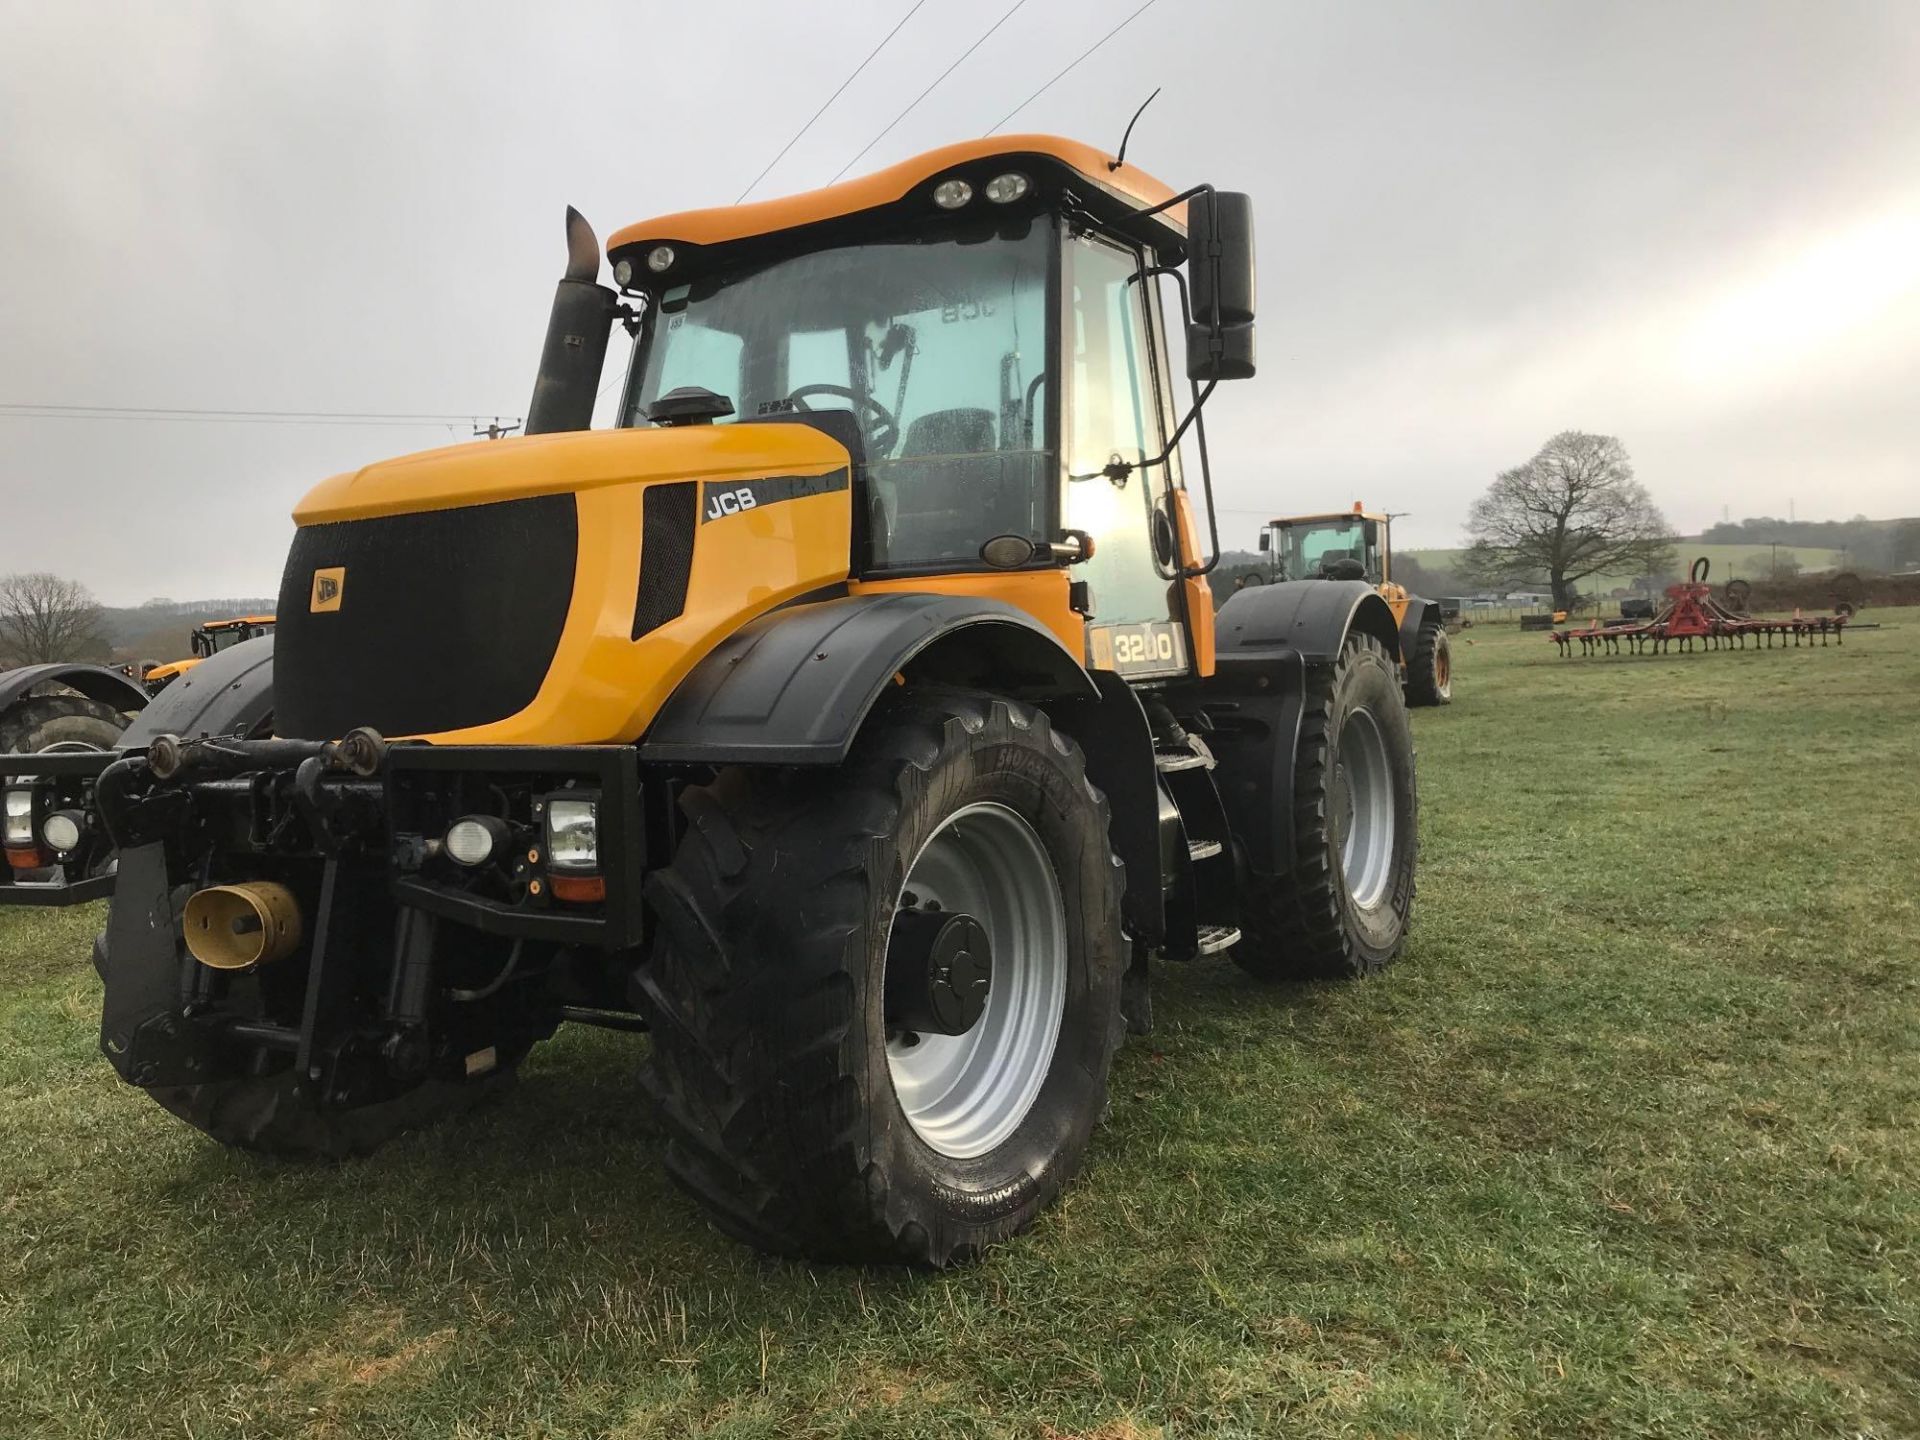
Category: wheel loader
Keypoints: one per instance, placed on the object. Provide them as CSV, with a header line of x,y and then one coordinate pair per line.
x,y
852,716
1357,544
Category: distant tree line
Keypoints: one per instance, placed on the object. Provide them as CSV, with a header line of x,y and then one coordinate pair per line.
x,y
1869,544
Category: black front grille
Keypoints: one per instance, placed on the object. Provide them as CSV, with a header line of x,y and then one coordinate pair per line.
x,y
444,619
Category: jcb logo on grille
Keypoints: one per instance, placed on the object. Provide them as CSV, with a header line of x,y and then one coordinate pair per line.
x,y
730,502
328,586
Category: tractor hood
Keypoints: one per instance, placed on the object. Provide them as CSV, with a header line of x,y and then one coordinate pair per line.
x,y
481,471
552,589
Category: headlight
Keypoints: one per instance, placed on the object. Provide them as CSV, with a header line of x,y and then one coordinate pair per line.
x,y
952,194
473,839
623,273
1007,188
573,833
19,827
660,259
61,831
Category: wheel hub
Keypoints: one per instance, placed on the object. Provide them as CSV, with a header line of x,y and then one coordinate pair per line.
x,y
939,970
980,937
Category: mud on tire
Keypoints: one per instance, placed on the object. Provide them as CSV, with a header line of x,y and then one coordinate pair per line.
x,y
1310,924
766,990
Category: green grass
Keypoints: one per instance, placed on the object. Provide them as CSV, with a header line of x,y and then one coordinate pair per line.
x,y
1628,1144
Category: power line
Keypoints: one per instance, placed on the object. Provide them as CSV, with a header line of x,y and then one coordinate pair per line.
x,y
931,88
830,99
1069,70
22,410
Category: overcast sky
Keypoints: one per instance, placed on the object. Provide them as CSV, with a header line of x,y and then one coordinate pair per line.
x,y
1693,225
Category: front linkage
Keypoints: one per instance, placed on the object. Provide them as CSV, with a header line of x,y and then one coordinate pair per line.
x,y
451,904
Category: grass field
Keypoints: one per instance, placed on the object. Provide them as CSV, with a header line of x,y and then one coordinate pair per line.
x,y
1628,1144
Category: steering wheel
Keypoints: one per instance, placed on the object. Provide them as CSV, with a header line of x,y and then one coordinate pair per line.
x,y
882,429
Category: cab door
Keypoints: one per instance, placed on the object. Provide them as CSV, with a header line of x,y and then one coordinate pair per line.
x,y
1111,412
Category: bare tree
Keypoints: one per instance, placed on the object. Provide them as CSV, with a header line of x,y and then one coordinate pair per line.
x,y
1573,511
44,618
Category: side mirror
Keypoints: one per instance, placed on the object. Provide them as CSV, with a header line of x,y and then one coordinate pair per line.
x,y
1220,277
1266,539
1371,530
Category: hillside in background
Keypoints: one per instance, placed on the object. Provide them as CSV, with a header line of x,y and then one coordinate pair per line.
x,y
158,630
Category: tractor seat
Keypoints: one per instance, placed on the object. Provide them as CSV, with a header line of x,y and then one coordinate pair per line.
x,y
949,489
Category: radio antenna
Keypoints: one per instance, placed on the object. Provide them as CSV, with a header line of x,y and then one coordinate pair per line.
x,y
1121,158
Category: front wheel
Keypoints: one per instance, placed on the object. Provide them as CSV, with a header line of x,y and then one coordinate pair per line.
x,y
1343,907
1430,667
884,999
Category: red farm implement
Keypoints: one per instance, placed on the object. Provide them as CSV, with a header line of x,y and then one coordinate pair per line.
x,y
1691,615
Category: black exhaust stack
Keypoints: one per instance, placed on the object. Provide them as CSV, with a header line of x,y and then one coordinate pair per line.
x,y
576,348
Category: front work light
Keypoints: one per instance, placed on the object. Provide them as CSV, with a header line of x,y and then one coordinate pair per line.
x,y
61,831
573,832
623,273
660,259
952,194
474,839
1007,188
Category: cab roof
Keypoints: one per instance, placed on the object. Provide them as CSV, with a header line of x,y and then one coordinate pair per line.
x,y
1124,188
1356,513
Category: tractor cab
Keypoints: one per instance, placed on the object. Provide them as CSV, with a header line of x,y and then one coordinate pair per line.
x,y
217,635
992,347
1348,545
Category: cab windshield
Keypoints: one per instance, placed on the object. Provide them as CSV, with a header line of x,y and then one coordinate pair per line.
x,y
937,347
1314,550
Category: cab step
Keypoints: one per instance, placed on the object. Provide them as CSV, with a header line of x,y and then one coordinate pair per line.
x,y
1203,849
1215,938
1172,761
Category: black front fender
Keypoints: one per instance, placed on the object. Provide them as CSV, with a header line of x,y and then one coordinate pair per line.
x,y
1310,617
792,687
226,694
1420,614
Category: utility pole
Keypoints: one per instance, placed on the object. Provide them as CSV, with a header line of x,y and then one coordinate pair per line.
x,y
496,430
1774,572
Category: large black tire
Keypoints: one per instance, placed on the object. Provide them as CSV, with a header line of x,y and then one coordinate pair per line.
x,y
40,722
766,989
1309,924
1430,667
262,1113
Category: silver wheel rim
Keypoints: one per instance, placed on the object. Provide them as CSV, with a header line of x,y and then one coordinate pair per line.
x,y
1363,808
965,1094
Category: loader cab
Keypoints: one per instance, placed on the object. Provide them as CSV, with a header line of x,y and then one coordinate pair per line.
x,y
993,349
1351,545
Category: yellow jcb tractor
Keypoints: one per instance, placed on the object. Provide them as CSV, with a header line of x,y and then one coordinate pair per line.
x,y
208,640
1357,544
852,716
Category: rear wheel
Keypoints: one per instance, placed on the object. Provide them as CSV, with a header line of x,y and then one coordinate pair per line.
x,y
1344,906
884,998
1430,667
